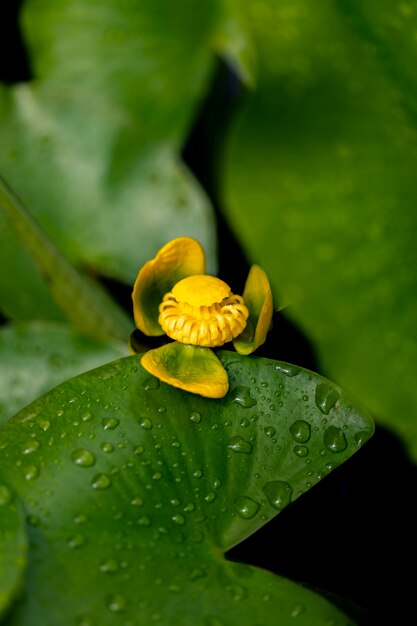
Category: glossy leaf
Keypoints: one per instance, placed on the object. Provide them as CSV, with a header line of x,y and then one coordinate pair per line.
x,y
134,489
34,357
325,149
13,547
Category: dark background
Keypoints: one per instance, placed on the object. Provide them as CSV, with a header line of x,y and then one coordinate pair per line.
x,y
353,536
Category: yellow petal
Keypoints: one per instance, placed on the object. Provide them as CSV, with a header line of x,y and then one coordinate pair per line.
x,y
194,369
258,299
178,259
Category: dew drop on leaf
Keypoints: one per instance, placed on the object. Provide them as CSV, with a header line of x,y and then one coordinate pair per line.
x,y
288,369
237,592
300,431
101,481
107,447
301,451
150,384
326,397
110,423
246,507
238,444
110,566
83,457
44,424
195,417
362,437
31,472
210,497
146,423
31,446
178,519
241,395
335,439
278,493
5,495
117,603
77,541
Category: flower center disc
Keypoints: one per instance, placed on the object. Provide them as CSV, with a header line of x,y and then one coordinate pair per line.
x,y
201,290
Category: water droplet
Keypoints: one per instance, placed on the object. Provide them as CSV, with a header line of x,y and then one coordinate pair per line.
x,y
278,493
5,495
217,483
117,603
137,501
362,437
77,541
107,447
139,450
110,423
210,497
195,417
44,424
197,574
241,395
296,610
31,446
238,592
334,439
101,481
246,507
144,521
86,417
300,451
288,369
31,472
80,519
269,431
244,422
83,457
178,519
33,520
300,430
197,537
157,476
110,566
150,384
145,422
326,397
198,473
238,444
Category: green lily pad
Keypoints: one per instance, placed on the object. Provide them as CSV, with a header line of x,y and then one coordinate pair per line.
x,y
134,490
326,152
92,144
36,356
13,547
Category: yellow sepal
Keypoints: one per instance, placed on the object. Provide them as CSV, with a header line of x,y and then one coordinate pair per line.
x,y
176,260
194,369
258,299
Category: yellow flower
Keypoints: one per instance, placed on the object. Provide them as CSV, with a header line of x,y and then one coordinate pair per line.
x,y
173,295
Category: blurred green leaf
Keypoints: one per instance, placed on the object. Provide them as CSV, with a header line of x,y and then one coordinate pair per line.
x,y
85,303
321,188
92,144
13,547
133,490
36,356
